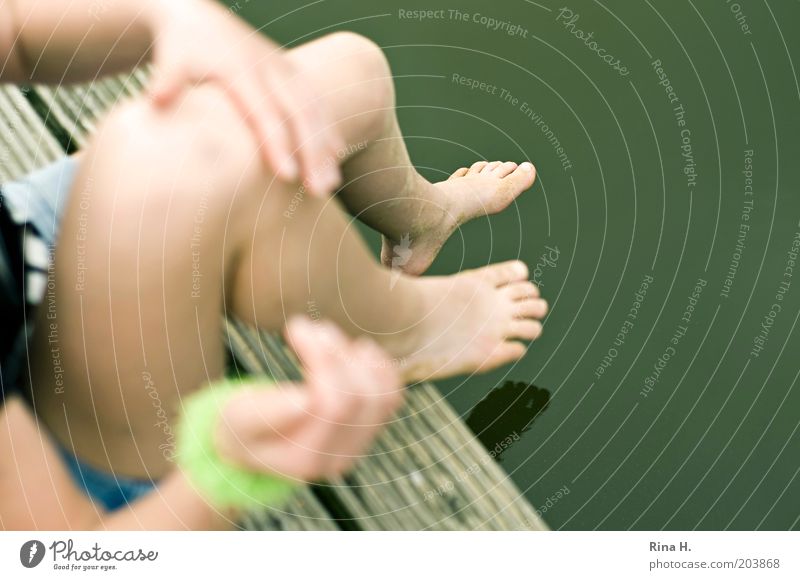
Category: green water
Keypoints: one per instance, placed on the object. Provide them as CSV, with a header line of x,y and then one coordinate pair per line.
x,y
675,408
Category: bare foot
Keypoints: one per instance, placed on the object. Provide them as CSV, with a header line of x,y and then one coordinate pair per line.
x,y
483,189
474,322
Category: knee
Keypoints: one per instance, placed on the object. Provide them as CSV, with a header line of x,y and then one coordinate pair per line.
x,y
368,60
364,51
197,142
195,160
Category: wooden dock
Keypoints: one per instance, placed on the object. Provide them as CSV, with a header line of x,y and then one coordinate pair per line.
x,y
426,472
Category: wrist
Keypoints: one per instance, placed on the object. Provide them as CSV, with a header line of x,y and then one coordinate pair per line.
x,y
221,482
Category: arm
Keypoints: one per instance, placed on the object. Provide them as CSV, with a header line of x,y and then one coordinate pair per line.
x,y
191,41
51,41
304,431
36,492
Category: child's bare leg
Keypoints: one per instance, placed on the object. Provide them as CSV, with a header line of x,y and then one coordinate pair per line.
x,y
381,186
172,219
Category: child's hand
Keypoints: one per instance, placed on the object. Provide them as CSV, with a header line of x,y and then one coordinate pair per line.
x,y
318,429
199,41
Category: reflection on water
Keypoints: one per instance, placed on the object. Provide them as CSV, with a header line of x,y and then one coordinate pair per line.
x,y
500,418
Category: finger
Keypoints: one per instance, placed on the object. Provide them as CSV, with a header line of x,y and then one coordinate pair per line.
x,y
320,445
319,164
351,399
270,130
166,85
375,381
255,413
334,140
326,350
377,360
307,446
351,414
332,146
313,343
256,420
327,433
298,456
349,410
381,392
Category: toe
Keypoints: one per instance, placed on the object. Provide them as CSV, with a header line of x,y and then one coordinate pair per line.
x,y
490,167
459,173
507,352
522,177
525,329
505,272
512,185
477,167
504,169
522,290
534,308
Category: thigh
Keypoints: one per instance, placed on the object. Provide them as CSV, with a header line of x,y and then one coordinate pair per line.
x,y
131,320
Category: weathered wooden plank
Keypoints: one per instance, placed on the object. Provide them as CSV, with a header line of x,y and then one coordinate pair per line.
x,y
25,143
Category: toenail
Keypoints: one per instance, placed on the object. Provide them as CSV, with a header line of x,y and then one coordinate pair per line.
x,y
527,166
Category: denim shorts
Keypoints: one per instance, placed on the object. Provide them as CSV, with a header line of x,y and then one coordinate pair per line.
x,y
106,489
35,204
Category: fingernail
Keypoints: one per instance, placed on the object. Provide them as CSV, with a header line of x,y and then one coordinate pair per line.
x,y
527,166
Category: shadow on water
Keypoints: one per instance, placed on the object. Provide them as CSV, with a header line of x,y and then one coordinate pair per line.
x,y
501,418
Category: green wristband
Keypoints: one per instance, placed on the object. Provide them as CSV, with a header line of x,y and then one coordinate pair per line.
x,y
222,484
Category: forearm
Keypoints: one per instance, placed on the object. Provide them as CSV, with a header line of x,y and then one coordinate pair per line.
x,y
174,505
55,41
37,492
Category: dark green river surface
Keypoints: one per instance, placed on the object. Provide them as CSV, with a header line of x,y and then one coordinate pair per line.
x,y
663,229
